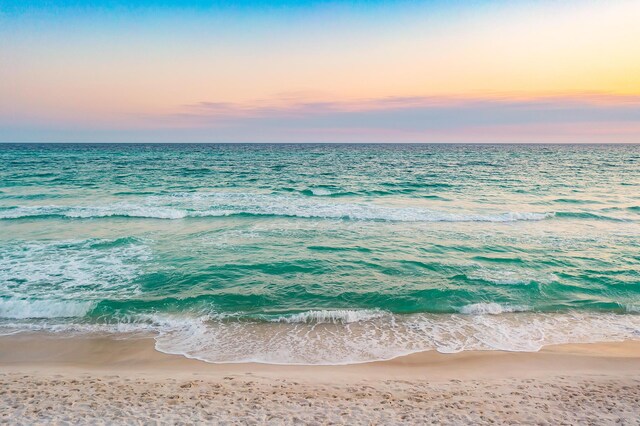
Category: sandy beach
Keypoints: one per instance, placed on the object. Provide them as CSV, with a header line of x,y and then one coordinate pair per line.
x,y
105,381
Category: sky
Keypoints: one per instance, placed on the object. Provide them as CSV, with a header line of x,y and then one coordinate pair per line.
x,y
518,71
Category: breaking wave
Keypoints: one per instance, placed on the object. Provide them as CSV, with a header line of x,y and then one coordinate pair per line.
x,y
342,316
335,337
179,206
38,309
490,308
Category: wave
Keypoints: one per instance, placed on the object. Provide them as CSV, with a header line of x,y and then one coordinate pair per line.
x,y
490,308
575,201
511,277
179,206
30,196
91,269
635,309
320,192
591,216
351,336
385,336
343,316
29,309
84,212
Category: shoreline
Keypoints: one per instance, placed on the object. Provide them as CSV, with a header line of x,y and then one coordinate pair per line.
x,y
27,350
102,379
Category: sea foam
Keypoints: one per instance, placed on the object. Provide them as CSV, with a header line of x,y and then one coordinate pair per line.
x,y
92,269
181,205
490,308
386,336
346,337
24,309
344,316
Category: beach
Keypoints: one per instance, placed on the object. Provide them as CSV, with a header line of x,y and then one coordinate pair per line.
x,y
337,212
319,284
102,380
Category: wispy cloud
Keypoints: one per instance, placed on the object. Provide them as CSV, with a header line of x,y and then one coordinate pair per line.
x,y
299,117
562,118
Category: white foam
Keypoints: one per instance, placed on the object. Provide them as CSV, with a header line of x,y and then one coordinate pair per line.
x,y
23,309
388,336
490,308
83,212
225,339
344,316
320,191
183,205
91,269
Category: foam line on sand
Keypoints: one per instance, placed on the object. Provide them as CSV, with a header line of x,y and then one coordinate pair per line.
x,y
102,380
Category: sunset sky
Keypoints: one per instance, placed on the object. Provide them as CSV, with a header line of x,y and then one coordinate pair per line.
x,y
320,71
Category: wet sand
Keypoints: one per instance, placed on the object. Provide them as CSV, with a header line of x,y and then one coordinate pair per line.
x,y
97,380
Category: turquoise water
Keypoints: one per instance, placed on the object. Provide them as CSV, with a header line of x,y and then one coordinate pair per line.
x,y
322,253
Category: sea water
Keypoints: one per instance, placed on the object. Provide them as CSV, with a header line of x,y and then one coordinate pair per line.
x,y
321,254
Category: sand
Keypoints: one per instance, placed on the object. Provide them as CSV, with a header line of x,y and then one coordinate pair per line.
x,y
99,380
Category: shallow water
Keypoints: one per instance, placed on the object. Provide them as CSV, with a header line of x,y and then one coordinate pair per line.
x,y
322,253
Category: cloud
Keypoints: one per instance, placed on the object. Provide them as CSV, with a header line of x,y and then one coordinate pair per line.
x,y
297,117
575,118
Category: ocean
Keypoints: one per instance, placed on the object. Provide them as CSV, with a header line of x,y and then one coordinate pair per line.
x,y
321,254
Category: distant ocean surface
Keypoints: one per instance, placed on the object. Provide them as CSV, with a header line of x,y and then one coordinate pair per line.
x,y
322,254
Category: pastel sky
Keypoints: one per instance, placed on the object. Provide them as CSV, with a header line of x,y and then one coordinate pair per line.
x,y
320,71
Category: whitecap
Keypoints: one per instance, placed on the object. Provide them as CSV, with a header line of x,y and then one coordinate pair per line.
x,y
320,191
181,205
490,308
331,316
25,308
91,269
